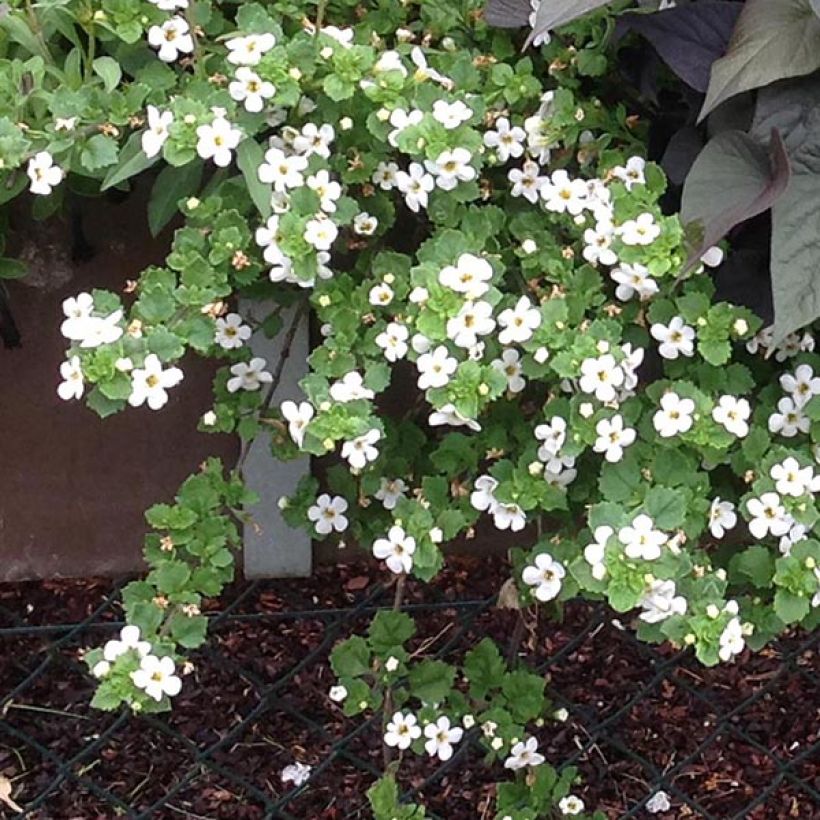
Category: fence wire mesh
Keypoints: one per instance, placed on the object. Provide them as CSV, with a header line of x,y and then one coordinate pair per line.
x,y
737,743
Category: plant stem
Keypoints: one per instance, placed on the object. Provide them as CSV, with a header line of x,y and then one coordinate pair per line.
x,y
398,597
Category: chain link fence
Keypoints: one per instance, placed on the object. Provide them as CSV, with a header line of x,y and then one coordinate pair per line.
x,y
740,742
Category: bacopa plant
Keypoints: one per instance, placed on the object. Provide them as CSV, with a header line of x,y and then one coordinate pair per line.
x,y
478,229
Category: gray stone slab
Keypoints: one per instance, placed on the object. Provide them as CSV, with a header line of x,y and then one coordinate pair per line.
x,y
273,549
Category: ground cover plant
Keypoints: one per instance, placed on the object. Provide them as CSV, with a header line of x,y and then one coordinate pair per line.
x,y
486,226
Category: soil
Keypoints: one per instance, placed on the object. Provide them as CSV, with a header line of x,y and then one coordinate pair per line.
x,y
257,701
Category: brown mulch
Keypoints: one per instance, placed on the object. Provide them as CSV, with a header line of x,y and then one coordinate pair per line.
x,y
722,733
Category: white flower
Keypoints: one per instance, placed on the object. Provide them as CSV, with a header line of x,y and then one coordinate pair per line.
x,y
595,552
674,416
326,189
571,805
171,39
473,320
564,195
217,140
731,640
298,417
641,539
281,171
77,310
523,754
435,368
65,123
613,437
360,450
170,5
441,737
448,415
451,167
640,231
415,184
402,730
364,224
545,574
789,420
632,174
380,295
633,280
792,479
598,247
722,517
156,676
337,693
94,331
801,385
795,535
328,514
154,137
658,802
393,341
451,115
600,377
482,498
507,141
231,333
768,515
249,88
250,49
390,492
660,602
150,382
553,434
508,517
389,61
296,773
129,639
471,275
518,323
350,388
385,175
249,376
72,375
314,139
396,550
526,181
675,339
733,414
509,365
43,173
401,120
321,233
426,72
391,664
101,669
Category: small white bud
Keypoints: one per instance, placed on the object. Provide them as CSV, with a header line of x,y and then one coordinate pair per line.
x,y
529,246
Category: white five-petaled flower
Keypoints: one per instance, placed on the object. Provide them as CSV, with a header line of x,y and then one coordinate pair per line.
x,y
641,539
326,189
731,641
642,230
436,368
633,280
328,514
337,693
250,49
415,183
396,550
571,805
390,492
524,753
792,479
518,323
393,341
613,437
402,730
72,375
320,232
217,141
129,640
449,415
282,171
545,574
364,224
380,295
674,416
149,383
250,89
474,319
594,553
298,416
564,195
231,332
722,517
451,167
733,414
598,244
401,120
526,181
632,174
350,388
426,72
482,497
248,375
385,175
768,516
509,365
156,676
601,377
508,517
440,738
507,141
76,310
660,602
676,338
362,450
789,420
156,133
471,276
171,39
801,385
43,173
451,115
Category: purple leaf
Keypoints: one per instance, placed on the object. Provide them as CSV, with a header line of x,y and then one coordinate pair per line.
x,y
508,13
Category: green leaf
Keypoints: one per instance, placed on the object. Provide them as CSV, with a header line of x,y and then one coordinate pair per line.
x,y
619,480
790,608
484,668
771,41
132,161
431,681
170,576
12,268
99,152
102,405
755,564
107,697
108,69
389,630
351,658
189,631
249,156
666,507
172,185
524,692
